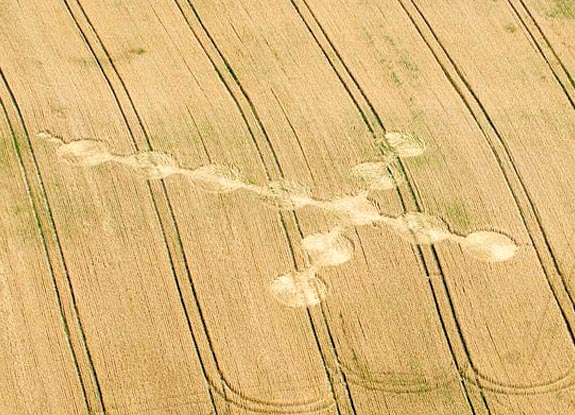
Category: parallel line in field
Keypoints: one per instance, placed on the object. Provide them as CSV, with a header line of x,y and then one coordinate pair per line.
x,y
239,399
330,338
258,125
262,160
244,117
317,338
367,110
179,251
155,194
504,158
172,216
222,67
295,134
365,106
544,47
53,252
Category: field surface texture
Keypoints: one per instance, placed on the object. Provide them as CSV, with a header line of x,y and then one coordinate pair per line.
x,y
287,207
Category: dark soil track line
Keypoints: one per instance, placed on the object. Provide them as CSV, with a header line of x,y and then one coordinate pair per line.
x,y
418,251
318,341
155,196
54,254
163,189
165,227
227,68
251,129
502,154
295,134
544,48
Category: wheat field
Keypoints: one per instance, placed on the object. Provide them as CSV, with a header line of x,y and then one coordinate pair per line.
x,y
331,207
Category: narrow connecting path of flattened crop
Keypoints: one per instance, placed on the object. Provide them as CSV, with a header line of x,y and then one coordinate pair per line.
x,y
325,249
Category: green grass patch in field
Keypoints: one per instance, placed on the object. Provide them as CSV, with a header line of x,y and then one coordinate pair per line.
x,y
56,183
430,157
249,179
408,64
16,142
457,216
3,154
510,28
19,209
137,51
389,40
563,8
395,79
